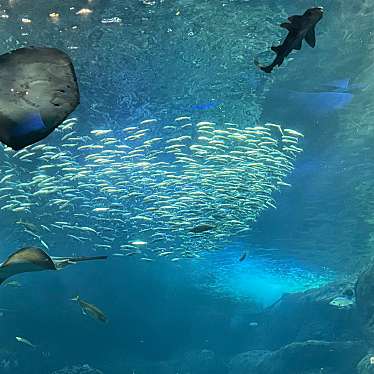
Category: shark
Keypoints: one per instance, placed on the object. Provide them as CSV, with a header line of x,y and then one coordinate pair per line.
x,y
299,27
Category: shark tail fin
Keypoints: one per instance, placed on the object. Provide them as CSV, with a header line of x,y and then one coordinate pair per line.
x,y
267,69
76,298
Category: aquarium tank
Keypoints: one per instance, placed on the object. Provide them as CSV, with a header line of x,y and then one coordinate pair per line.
x,y
186,187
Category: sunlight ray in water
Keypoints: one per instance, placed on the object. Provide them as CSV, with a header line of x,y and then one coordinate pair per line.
x,y
262,276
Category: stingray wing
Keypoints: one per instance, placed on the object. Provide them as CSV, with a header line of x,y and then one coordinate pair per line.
x,y
38,91
25,260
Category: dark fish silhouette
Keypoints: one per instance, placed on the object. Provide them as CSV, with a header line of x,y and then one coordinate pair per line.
x,y
201,228
299,28
90,309
31,259
243,256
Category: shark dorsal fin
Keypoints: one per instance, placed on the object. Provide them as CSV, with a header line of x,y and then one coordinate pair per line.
x,y
310,37
295,20
288,26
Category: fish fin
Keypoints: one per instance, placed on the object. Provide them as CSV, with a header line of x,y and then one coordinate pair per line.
x,y
343,84
276,49
84,312
310,37
298,46
295,20
288,26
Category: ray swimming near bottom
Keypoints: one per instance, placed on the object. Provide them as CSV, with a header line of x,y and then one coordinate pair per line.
x,y
328,98
31,259
321,100
321,103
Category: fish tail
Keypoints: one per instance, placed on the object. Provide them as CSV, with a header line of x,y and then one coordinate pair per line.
x,y
267,69
76,298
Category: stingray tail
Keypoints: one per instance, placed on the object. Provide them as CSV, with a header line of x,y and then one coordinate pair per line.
x,y
86,258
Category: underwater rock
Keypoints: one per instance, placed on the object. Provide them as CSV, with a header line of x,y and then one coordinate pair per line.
x,y
144,367
201,362
365,302
78,369
191,362
312,355
247,362
309,316
365,366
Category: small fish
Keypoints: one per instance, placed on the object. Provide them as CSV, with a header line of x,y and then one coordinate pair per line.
x,y
45,245
45,228
28,225
201,228
299,28
90,309
166,253
138,242
84,12
14,284
342,302
206,106
243,256
32,233
100,209
25,341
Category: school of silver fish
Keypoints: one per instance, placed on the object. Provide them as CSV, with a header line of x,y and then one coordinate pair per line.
x,y
134,192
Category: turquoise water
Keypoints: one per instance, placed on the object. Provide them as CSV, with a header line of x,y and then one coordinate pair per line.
x,y
178,128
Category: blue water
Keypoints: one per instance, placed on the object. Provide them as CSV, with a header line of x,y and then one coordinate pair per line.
x,y
162,60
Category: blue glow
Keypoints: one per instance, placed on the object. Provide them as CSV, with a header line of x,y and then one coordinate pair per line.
x,y
261,276
32,123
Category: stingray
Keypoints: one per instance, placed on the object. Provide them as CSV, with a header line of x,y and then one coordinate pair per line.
x,y
38,91
320,100
30,259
